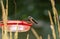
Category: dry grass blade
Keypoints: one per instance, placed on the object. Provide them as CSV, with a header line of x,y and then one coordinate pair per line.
x,y
16,33
56,19
4,17
40,37
6,8
54,10
52,26
48,36
55,14
27,36
10,35
35,33
2,33
50,18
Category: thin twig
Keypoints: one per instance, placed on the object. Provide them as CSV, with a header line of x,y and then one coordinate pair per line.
x,y
15,8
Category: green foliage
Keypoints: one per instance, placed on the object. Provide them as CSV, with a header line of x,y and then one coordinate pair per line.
x,y
35,8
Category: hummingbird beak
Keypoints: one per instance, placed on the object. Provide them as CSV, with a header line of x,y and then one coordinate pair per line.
x,y
31,19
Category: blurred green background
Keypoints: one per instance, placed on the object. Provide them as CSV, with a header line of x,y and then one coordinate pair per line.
x,y
38,9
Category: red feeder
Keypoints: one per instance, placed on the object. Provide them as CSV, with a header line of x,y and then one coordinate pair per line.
x,y
22,26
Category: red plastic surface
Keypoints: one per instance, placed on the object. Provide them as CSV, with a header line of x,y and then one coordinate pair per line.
x,y
23,26
14,22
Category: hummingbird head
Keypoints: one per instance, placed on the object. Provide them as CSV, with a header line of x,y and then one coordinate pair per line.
x,y
32,20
